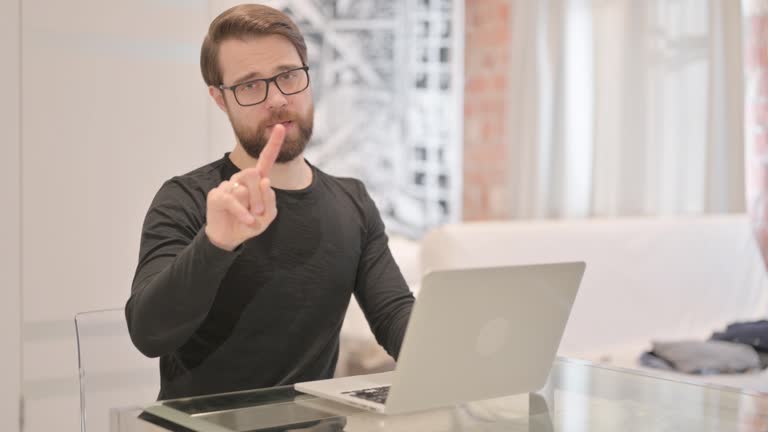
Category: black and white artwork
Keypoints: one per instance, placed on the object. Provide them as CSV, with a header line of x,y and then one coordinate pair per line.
x,y
387,82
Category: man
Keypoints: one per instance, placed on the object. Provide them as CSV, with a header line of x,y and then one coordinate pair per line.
x,y
247,264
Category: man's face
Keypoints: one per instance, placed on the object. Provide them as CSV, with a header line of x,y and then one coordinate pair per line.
x,y
264,57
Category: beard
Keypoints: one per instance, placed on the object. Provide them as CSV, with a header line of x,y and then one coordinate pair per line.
x,y
254,141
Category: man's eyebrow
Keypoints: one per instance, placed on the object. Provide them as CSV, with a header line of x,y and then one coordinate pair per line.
x,y
247,77
257,75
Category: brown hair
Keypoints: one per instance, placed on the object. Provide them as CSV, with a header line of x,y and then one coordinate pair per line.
x,y
243,21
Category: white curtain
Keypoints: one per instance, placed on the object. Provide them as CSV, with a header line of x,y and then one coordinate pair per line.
x,y
626,107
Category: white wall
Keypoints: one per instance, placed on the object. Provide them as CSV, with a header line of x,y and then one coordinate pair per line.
x,y
113,105
10,270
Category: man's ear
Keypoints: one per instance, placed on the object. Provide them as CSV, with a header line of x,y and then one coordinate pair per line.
x,y
218,97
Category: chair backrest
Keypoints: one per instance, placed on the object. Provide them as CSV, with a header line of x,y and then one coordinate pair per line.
x,y
113,373
646,278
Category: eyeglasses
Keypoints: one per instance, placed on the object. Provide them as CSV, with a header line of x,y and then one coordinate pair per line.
x,y
256,91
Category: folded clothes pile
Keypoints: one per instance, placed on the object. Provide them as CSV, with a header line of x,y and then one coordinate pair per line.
x,y
741,348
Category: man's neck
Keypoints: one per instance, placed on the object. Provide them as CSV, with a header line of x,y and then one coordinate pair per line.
x,y
292,175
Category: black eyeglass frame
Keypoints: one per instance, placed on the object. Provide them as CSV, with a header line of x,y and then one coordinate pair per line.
x,y
269,80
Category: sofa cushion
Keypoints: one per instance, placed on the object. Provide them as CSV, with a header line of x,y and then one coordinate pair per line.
x,y
646,278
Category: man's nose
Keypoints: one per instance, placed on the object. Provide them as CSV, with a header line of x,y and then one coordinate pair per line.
x,y
275,98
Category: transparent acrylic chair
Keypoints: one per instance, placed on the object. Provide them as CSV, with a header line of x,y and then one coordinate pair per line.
x,y
113,373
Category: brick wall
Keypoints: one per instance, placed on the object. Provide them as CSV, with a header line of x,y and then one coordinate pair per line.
x,y
487,62
756,114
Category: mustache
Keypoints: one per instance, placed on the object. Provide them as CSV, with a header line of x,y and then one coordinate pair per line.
x,y
279,118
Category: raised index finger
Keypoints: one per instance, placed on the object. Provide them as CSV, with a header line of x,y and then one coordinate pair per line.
x,y
270,152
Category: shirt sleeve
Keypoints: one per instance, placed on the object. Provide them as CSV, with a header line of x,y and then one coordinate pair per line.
x,y
178,274
380,288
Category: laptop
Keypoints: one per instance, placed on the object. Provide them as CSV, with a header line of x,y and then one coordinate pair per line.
x,y
474,334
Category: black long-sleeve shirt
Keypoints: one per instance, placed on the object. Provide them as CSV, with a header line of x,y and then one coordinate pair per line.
x,y
270,312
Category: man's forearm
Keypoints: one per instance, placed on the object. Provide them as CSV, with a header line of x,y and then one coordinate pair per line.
x,y
393,332
171,296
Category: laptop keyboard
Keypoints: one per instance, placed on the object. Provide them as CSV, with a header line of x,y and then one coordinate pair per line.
x,y
374,394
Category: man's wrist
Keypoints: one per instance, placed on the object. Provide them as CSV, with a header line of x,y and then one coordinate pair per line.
x,y
218,244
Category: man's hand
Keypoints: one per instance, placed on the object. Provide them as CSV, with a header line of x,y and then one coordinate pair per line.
x,y
244,206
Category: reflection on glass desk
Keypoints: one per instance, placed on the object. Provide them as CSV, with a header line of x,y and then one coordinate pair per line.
x,y
578,396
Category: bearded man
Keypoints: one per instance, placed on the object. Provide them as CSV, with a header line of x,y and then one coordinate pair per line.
x,y
247,264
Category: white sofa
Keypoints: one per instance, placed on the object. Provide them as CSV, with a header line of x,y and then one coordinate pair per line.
x,y
646,279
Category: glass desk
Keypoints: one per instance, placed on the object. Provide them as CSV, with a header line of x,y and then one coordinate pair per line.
x,y
578,396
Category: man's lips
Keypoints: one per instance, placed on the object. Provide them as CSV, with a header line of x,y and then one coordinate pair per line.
x,y
284,123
